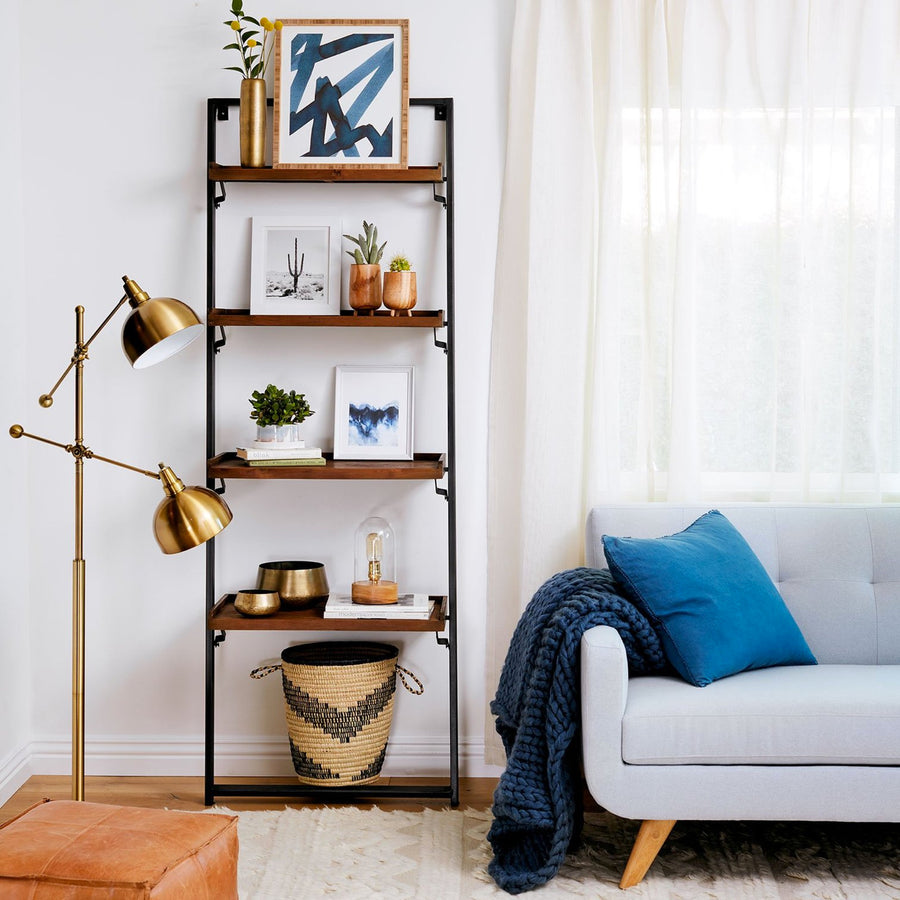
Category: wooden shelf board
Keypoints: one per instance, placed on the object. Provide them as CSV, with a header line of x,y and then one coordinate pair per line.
x,y
425,467
224,617
349,175
420,318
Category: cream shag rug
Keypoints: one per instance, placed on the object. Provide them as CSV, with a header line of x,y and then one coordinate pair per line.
x,y
349,853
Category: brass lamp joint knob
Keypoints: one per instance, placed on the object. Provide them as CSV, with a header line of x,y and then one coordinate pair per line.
x,y
133,291
171,483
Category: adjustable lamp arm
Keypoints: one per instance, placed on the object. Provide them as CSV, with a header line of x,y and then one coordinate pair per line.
x,y
81,348
186,517
156,328
17,431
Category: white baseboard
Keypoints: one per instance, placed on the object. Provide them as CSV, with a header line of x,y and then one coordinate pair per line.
x,y
241,756
15,770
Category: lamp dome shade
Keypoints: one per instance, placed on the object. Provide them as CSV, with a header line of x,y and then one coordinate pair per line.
x,y
157,327
187,517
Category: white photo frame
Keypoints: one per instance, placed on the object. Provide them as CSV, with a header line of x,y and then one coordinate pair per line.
x,y
295,266
373,412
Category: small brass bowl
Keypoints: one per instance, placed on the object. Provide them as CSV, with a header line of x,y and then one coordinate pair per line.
x,y
254,602
299,583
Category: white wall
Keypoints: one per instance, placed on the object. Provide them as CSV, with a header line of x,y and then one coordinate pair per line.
x,y
15,695
113,150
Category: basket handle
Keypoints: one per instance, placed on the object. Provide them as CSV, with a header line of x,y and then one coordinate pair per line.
x,y
262,671
403,673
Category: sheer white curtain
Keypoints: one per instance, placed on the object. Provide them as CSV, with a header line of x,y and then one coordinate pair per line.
x,y
697,280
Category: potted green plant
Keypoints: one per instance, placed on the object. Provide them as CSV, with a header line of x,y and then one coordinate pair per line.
x,y
365,273
399,294
278,413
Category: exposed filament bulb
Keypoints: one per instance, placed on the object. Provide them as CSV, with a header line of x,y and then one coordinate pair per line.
x,y
373,555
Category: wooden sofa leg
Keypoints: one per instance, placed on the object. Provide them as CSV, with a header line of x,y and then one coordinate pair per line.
x,y
650,837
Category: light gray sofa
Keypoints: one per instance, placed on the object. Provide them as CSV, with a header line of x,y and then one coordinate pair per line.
x,y
810,743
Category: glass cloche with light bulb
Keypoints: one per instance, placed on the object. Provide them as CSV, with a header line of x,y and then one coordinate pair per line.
x,y
374,563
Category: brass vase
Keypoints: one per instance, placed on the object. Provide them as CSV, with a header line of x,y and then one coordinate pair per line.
x,y
365,288
253,122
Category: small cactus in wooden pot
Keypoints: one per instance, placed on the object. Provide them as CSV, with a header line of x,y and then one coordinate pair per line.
x,y
399,293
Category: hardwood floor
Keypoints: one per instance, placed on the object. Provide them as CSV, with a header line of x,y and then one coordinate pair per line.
x,y
160,792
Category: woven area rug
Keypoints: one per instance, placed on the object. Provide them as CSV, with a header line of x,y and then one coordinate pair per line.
x,y
351,853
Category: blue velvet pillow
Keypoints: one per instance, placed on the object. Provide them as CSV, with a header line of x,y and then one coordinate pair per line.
x,y
710,598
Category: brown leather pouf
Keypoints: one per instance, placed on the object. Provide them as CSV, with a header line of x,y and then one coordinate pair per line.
x,y
63,850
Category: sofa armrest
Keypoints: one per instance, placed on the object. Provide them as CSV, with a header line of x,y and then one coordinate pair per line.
x,y
604,672
604,691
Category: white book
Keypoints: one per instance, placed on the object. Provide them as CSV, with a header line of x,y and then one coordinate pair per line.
x,y
285,445
279,453
408,606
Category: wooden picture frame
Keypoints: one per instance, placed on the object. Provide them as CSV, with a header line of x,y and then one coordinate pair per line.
x,y
341,93
373,412
295,266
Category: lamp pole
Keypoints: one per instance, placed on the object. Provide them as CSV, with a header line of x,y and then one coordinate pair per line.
x,y
78,571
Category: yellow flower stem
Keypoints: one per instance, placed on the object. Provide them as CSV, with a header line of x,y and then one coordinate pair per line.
x,y
265,54
243,49
270,37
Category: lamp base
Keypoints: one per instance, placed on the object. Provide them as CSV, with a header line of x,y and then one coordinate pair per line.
x,y
370,593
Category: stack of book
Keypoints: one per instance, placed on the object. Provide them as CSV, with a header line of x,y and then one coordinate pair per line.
x,y
281,453
408,606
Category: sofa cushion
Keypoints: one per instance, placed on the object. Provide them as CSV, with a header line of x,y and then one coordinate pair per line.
x,y
793,715
716,609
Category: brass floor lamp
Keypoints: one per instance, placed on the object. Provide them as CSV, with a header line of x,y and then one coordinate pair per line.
x,y
155,329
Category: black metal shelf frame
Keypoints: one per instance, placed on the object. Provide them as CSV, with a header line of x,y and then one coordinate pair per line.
x,y
217,111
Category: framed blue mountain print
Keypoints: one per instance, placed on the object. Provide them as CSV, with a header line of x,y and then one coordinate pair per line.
x,y
373,412
341,93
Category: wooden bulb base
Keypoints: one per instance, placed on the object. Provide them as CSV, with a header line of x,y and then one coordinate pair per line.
x,y
370,593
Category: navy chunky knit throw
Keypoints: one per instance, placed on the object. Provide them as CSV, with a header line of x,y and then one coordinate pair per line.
x,y
536,805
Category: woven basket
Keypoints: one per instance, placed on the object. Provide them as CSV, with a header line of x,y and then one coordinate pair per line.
x,y
338,702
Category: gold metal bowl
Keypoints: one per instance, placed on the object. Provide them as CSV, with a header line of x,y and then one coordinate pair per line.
x,y
300,583
255,602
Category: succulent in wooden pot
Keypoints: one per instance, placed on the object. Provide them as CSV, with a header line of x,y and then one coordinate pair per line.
x,y
399,294
365,273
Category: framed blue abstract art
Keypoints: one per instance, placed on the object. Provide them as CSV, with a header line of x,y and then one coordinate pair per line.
x,y
341,93
373,412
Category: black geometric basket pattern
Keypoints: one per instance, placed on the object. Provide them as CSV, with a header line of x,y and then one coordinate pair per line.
x,y
339,703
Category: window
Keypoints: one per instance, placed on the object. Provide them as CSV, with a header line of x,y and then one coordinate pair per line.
x,y
758,304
